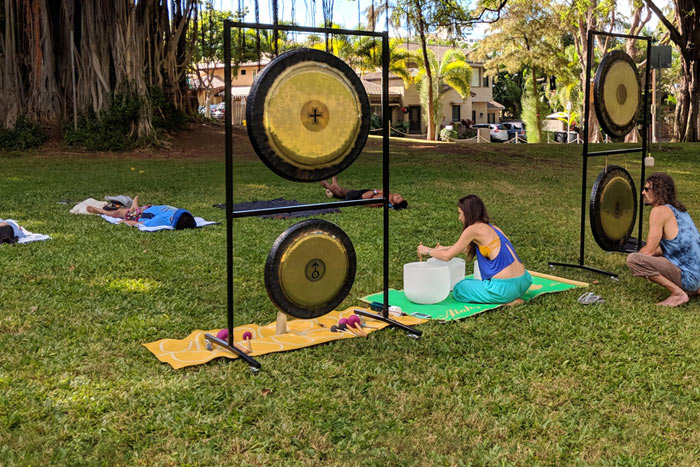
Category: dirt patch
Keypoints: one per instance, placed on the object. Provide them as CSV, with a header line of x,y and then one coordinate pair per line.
x,y
206,141
198,141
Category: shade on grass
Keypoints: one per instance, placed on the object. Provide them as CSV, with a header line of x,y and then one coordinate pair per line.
x,y
554,382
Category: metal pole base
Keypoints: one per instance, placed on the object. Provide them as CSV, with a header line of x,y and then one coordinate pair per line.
x,y
368,314
587,268
254,364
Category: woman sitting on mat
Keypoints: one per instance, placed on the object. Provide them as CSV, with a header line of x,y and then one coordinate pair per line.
x,y
149,215
503,276
396,201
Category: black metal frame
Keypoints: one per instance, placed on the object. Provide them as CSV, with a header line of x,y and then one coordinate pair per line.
x,y
586,154
231,214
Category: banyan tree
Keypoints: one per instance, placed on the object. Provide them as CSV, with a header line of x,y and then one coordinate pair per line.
x,y
57,56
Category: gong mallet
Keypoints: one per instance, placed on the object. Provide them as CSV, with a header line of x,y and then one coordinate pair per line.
x,y
354,323
343,325
363,323
335,328
247,336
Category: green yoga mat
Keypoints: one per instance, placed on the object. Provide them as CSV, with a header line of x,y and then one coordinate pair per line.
x,y
450,309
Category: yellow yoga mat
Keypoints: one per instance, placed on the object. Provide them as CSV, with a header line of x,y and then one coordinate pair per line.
x,y
192,350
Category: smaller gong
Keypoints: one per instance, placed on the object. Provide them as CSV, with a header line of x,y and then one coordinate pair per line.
x,y
616,93
310,269
613,208
307,115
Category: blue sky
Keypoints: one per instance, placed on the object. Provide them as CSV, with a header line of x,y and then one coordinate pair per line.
x,y
344,11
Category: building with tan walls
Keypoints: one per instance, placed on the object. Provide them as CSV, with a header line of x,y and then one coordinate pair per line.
x,y
404,103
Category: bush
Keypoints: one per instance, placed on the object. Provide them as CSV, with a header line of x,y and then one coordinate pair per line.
x,y
375,121
446,134
113,130
23,136
165,115
399,129
466,133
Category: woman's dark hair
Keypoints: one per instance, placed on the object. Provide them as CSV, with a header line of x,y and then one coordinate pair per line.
x,y
474,211
664,190
399,206
186,221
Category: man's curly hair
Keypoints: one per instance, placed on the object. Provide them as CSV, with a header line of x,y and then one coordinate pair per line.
x,y
664,190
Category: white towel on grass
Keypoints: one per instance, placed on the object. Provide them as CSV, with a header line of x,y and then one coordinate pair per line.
x,y
24,235
115,220
81,208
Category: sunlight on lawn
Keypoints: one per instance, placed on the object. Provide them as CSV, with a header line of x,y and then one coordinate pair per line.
x,y
134,285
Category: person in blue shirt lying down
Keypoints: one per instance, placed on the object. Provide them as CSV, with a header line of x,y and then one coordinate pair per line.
x,y
150,215
504,279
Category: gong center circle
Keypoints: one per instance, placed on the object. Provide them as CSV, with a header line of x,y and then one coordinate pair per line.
x,y
314,115
315,270
621,94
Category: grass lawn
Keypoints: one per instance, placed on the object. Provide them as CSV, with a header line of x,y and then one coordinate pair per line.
x,y
550,382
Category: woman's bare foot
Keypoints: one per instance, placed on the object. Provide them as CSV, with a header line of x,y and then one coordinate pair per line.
x,y
92,210
675,299
516,302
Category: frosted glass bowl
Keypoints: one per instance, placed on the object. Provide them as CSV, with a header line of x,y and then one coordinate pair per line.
x,y
426,282
457,266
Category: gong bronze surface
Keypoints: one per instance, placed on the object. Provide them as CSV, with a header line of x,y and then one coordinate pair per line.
x,y
616,93
310,269
307,115
613,208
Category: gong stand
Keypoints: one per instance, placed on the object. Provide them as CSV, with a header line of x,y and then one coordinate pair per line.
x,y
586,154
231,214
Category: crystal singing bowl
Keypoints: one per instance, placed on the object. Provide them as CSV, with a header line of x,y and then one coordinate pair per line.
x,y
426,283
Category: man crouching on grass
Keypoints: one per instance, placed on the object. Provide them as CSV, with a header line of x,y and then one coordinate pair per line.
x,y
671,257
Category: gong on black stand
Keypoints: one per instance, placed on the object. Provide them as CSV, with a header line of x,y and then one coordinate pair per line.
x,y
613,200
308,119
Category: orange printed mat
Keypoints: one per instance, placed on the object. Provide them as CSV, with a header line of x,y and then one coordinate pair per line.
x,y
192,350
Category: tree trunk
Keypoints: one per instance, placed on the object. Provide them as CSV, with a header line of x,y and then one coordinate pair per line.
x,y
687,126
420,26
136,44
637,24
685,33
538,109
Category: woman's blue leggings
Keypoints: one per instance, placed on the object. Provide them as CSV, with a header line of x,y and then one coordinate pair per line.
x,y
492,290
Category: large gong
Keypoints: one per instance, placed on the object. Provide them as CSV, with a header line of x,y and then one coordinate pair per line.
x,y
616,93
310,269
613,208
307,115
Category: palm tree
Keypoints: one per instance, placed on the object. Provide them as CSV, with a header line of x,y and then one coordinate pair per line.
x,y
453,71
369,58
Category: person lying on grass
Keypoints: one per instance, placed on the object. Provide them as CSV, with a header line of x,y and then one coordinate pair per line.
x,y
396,201
503,276
149,215
671,257
9,232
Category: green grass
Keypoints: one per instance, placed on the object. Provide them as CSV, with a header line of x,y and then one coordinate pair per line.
x,y
552,382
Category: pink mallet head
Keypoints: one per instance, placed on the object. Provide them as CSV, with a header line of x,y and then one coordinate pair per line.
x,y
342,321
354,321
222,334
247,335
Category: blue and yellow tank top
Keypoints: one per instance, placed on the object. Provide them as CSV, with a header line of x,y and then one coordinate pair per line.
x,y
684,250
491,267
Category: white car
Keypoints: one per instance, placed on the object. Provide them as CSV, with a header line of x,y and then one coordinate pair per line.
x,y
219,111
498,132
